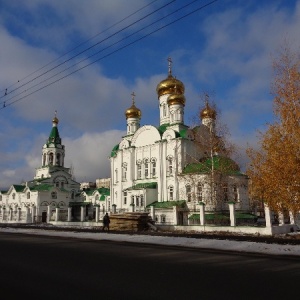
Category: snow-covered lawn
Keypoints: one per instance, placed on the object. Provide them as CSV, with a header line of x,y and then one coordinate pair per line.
x,y
253,247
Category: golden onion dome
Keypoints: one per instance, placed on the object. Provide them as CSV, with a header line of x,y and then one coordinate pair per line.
x,y
168,85
133,111
176,99
208,112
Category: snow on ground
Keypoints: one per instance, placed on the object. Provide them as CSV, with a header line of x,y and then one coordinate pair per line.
x,y
238,246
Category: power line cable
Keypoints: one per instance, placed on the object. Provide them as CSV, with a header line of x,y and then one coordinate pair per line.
x,y
79,45
111,53
113,44
87,49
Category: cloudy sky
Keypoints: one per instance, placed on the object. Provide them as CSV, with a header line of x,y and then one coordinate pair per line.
x,y
85,58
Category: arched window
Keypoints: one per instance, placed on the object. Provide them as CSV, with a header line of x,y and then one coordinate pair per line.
x,y
137,201
142,200
163,218
171,193
164,110
125,197
44,159
116,175
54,195
235,193
97,197
188,193
51,159
58,159
153,166
225,192
28,195
72,194
14,196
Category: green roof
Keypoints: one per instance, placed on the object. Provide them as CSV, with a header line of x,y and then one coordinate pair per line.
x,y
162,128
54,136
41,187
19,188
114,151
215,216
104,191
220,216
168,204
183,133
146,185
220,163
102,198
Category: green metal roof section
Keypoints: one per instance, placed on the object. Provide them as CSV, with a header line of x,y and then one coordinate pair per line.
x,y
168,204
162,128
104,191
102,198
219,216
183,133
146,185
41,187
220,163
89,192
114,151
54,137
19,188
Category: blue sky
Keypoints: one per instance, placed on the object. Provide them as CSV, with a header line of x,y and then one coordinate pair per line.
x,y
224,49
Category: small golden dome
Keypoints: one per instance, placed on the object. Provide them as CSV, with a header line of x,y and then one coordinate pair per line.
x,y
208,112
167,86
55,120
176,99
133,111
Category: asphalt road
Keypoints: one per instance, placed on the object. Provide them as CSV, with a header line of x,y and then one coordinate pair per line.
x,y
41,267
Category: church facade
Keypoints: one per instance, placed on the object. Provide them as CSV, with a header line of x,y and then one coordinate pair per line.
x,y
53,194
172,170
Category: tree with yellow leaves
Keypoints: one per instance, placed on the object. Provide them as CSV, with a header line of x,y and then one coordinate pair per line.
x,y
275,168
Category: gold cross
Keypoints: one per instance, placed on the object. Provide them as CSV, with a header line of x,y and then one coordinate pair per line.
x,y
133,95
170,65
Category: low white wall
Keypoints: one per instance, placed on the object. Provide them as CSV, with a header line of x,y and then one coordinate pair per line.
x,y
233,229
82,224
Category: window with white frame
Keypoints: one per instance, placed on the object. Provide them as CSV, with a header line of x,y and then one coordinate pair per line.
x,y
124,172
153,166
97,197
139,170
146,168
169,165
142,200
164,110
171,193
137,201
163,218
54,195
116,175
225,192
199,192
14,196
28,195
235,193
188,193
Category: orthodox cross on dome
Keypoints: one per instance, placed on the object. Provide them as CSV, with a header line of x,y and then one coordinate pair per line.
x,y
206,99
170,65
55,113
133,95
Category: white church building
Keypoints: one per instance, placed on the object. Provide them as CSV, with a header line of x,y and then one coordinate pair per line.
x,y
172,170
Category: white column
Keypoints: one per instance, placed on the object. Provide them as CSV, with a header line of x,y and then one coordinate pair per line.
x,y
32,213
232,214
292,218
97,214
27,215
19,214
56,214
268,216
202,213
132,207
10,214
281,218
152,212
48,213
175,215
82,214
69,214
3,211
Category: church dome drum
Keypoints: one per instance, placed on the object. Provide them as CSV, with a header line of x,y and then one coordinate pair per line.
x,y
176,99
